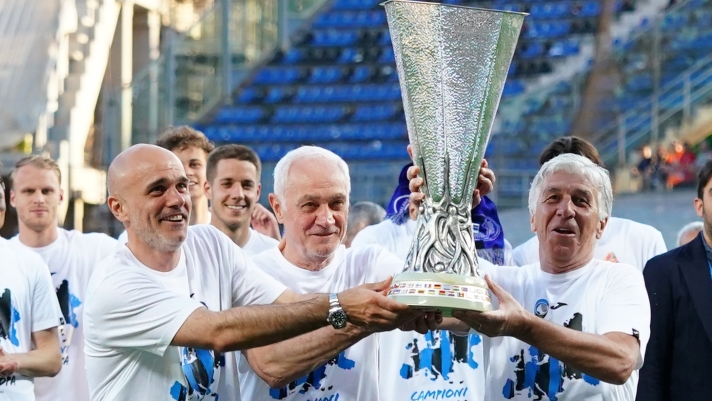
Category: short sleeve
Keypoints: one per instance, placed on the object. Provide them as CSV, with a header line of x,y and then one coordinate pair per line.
x,y
131,310
250,285
45,307
625,306
386,264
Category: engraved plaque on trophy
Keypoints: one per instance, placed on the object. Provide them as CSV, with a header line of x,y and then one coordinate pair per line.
x,y
452,63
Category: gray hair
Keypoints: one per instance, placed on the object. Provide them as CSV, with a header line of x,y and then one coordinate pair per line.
x,y
688,228
368,212
281,170
575,164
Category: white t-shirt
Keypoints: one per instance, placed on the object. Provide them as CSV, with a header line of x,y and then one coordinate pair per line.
x,y
28,304
71,259
352,375
623,241
131,319
599,298
258,243
435,366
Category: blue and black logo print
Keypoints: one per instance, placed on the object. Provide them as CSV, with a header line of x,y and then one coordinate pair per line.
x,y
9,316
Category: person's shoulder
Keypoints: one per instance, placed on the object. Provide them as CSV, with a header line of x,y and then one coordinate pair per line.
x,y
266,258
21,256
632,227
668,260
91,239
265,239
207,236
371,234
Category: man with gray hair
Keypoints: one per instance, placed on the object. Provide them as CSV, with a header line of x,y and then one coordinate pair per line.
x,y
362,215
569,327
311,200
689,232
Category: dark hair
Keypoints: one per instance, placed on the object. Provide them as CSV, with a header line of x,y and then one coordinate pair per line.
x,y
570,144
703,178
232,151
182,137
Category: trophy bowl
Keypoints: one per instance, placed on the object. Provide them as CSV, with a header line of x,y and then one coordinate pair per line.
x,y
452,62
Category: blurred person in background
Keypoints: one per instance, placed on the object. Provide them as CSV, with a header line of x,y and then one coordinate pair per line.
x,y
689,232
71,257
645,169
3,204
704,154
362,215
679,285
623,240
682,166
233,187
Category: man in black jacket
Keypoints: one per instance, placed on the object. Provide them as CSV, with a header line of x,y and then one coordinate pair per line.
x,y
679,284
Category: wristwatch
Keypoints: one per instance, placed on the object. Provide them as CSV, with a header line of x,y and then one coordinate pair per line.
x,y
337,316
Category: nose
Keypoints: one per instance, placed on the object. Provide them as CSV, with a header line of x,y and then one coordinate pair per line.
x,y
565,208
325,216
237,192
174,198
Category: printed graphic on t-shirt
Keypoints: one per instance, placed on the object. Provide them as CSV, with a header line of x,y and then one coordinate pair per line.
x,y
442,356
200,368
68,303
314,380
611,257
539,375
9,316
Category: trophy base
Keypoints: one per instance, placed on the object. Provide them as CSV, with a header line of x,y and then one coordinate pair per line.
x,y
441,291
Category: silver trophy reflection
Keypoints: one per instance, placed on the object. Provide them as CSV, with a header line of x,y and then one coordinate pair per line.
x,y
452,63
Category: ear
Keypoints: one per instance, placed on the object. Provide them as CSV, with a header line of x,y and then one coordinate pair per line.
x,y
699,206
117,209
12,198
61,195
206,189
276,207
259,191
532,226
601,226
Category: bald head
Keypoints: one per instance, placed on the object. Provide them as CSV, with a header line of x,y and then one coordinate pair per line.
x,y
137,160
148,192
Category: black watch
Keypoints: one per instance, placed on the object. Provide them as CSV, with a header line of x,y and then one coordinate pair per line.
x,y
337,316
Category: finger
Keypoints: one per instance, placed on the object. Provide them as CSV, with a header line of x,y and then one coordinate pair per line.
x,y
497,291
415,184
484,163
413,172
409,148
421,326
392,305
430,321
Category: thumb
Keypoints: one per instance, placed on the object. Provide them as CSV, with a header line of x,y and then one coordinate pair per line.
x,y
381,286
498,291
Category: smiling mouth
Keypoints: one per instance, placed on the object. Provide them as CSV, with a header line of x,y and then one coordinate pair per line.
x,y
236,207
175,219
564,231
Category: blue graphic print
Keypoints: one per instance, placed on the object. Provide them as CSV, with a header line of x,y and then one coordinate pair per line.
x,y
314,379
9,316
199,367
68,303
179,392
441,354
542,375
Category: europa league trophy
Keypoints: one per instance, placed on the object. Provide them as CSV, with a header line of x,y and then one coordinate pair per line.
x,y
452,63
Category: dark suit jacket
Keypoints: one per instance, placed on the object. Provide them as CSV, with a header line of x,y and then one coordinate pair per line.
x,y
678,360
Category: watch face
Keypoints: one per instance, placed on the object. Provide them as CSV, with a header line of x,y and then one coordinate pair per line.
x,y
338,319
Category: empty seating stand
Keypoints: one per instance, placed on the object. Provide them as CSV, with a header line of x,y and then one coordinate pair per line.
x,y
338,86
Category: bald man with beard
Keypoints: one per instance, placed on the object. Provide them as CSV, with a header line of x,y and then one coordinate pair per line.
x,y
162,312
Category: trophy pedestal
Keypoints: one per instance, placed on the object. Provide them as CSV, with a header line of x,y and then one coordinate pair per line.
x,y
441,291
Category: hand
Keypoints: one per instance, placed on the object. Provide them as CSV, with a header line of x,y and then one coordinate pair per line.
x,y
7,365
428,321
485,185
508,320
368,307
264,222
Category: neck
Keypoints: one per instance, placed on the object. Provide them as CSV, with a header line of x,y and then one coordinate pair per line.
x,y
37,239
707,235
302,261
551,266
162,261
240,236
199,214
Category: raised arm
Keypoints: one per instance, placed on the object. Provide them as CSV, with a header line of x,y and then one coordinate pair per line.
x,y
610,357
44,360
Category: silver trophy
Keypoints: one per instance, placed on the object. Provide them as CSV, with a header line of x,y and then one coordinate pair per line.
x,y
452,63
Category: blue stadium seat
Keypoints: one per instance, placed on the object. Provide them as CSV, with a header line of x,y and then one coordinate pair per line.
x,y
532,50
240,115
325,75
377,112
350,55
294,56
361,73
387,56
334,38
277,75
564,48
276,94
247,95
590,9
512,87
307,114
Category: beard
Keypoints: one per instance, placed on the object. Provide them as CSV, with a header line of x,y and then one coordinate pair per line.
x,y
153,238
